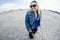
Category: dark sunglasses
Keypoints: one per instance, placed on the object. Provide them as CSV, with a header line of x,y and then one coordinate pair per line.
x,y
32,6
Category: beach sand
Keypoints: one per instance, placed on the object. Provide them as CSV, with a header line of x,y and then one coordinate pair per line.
x,y
12,26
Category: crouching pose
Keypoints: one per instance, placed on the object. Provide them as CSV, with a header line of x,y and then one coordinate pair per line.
x,y
32,19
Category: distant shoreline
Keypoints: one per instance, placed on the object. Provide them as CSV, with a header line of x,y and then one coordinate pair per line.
x,y
28,9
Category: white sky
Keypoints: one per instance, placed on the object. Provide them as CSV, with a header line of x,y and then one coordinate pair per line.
x,y
6,5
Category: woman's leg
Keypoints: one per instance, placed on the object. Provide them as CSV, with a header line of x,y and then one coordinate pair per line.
x,y
34,30
30,35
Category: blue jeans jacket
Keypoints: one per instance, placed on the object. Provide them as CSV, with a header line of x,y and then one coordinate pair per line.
x,y
30,18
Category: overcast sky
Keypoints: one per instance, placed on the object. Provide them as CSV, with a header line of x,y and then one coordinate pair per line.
x,y
24,4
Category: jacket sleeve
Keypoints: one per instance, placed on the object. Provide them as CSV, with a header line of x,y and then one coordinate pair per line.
x,y
27,22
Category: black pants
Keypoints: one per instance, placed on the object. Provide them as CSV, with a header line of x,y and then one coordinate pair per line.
x,y
32,32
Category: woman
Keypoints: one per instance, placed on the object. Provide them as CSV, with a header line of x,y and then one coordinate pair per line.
x,y
33,18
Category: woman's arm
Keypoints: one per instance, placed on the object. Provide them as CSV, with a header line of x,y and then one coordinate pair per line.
x,y
27,22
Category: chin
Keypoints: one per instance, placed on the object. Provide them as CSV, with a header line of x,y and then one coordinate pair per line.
x,y
34,10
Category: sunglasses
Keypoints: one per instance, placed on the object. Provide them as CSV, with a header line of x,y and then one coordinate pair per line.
x,y
32,6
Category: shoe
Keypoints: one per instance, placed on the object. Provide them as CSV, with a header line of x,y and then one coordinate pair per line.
x,y
30,35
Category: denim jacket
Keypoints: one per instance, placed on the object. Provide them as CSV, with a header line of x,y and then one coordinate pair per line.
x,y
30,18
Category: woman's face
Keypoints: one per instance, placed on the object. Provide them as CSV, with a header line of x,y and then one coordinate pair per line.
x,y
33,6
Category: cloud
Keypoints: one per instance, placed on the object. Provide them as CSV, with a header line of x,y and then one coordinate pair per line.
x,y
50,4
20,4
24,4
9,6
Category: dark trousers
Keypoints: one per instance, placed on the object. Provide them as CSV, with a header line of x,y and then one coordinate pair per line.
x,y
33,32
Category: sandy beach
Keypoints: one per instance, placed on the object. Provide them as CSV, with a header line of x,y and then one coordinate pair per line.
x,y
12,26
